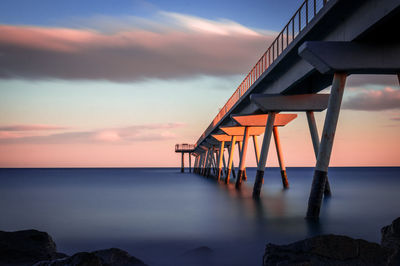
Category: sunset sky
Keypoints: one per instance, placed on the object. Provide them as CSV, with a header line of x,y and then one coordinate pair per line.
x,y
119,83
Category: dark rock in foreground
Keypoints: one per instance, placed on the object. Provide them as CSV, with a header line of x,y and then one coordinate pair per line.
x,y
327,250
26,247
23,248
391,240
338,250
106,257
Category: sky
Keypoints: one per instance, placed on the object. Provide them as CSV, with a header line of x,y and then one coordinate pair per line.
x,y
118,84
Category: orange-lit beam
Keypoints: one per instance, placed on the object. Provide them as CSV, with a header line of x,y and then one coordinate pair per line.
x,y
226,138
261,120
239,131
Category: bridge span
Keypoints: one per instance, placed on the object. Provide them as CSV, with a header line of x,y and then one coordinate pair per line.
x,y
323,43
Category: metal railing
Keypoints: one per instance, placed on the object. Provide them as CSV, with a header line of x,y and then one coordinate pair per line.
x,y
184,147
301,18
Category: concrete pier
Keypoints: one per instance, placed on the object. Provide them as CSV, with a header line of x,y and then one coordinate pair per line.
x,y
184,148
220,159
285,181
325,148
259,121
230,159
263,156
294,69
243,158
315,140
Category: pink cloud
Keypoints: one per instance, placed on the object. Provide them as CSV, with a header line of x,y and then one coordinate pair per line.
x,y
184,46
374,100
148,132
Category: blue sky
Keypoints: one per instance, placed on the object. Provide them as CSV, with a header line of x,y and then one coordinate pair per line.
x,y
263,14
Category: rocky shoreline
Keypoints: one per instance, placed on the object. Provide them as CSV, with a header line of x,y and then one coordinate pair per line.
x,y
32,247
338,250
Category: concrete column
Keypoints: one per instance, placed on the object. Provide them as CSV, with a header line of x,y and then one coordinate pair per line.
x,y
264,154
256,148
315,140
203,172
223,159
243,157
201,163
196,163
220,159
285,182
190,162
183,162
325,148
230,160
210,161
213,163
244,176
233,170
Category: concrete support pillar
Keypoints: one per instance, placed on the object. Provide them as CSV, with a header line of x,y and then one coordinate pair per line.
x,y
315,140
213,162
183,162
196,161
201,163
223,160
210,161
220,159
325,148
205,165
264,154
233,170
285,182
242,162
190,162
256,148
196,165
240,147
230,160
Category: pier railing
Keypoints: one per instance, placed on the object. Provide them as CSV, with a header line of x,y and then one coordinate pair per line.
x,y
184,147
301,18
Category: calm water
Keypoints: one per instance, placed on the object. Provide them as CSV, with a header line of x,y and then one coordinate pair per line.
x,y
158,214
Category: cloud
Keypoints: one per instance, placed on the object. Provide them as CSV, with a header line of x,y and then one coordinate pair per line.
x,y
34,127
149,132
358,80
174,46
374,100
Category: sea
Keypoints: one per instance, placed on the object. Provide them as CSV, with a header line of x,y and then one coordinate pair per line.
x,y
160,215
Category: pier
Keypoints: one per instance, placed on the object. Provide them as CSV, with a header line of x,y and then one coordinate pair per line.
x,y
185,148
322,44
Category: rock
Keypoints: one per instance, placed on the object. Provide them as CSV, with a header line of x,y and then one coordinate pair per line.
x,y
117,257
327,250
391,240
26,247
106,257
